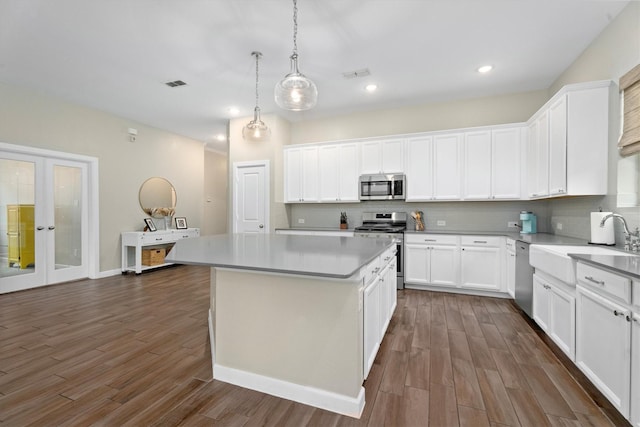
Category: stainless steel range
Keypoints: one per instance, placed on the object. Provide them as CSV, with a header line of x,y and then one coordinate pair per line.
x,y
386,225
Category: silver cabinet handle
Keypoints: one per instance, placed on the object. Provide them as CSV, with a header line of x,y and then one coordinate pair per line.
x,y
479,241
158,239
591,279
430,240
39,228
635,320
51,227
618,313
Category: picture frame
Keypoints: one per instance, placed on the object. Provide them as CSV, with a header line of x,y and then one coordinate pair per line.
x,y
151,226
181,223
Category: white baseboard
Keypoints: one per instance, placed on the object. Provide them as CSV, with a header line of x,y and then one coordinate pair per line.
x,y
318,398
212,341
107,273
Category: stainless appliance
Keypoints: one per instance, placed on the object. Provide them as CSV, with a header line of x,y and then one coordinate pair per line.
x,y
386,225
382,187
524,279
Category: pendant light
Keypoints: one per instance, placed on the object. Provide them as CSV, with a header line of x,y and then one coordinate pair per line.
x,y
256,130
296,92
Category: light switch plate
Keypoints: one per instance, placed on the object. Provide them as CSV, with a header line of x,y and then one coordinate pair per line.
x,y
300,220
441,223
512,224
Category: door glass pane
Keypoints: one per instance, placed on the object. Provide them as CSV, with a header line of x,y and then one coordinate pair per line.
x,y
67,216
17,234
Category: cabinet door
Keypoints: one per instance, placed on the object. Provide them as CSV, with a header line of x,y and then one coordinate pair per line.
x,y
348,173
511,273
446,166
371,307
383,320
370,157
392,282
635,370
416,259
310,174
603,346
292,175
328,161
477,165
532,159
443,266
393,156
542,156
505,163
541,303
419,169
562,313
558,146
480,268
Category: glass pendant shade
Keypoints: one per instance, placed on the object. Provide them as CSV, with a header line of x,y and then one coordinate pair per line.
x,y
295,91
256,130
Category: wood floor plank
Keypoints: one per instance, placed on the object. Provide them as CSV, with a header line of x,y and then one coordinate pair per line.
x,y
134,350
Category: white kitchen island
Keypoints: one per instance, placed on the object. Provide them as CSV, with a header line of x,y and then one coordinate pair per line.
x,y
287,314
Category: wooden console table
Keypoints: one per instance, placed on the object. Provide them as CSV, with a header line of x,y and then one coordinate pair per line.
x,y
134,241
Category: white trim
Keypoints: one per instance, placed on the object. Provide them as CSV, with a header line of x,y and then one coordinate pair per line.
x,y
107,273
211,340
318,398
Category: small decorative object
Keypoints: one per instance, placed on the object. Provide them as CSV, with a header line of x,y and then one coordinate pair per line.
x,y
167,222
419,217
181,223
343,221
150,225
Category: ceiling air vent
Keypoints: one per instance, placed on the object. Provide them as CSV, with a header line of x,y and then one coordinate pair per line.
x,y
175,83
358,73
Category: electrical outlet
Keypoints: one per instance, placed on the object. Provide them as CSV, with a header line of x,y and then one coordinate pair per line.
x,y
300,220
559,226
441,223
512,224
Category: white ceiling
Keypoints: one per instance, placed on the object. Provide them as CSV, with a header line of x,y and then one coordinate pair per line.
x,y
116,55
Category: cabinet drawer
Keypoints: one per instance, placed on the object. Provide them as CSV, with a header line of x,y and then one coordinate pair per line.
x,y
511,245
440,239
480,241
371,270
605,281
636,293
152,239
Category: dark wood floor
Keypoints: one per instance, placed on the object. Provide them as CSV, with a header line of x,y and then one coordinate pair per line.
x,y
133,350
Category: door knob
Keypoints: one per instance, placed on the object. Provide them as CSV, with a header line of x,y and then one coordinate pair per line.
x,y
261,226
51,227
40,228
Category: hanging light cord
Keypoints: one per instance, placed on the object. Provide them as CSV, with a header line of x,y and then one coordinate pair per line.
x,y
295,29
257,54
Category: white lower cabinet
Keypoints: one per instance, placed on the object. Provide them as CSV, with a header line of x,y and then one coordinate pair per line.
x,y
603,345
379,301
554,311
431,260
480,263
510,267
635,370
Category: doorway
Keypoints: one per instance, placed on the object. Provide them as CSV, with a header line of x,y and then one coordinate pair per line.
x,y
251,197
45,224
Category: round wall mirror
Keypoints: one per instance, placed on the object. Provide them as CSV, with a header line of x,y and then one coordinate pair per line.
x,y
157,197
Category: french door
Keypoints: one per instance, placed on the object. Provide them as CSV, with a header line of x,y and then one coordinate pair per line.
x,y
43,221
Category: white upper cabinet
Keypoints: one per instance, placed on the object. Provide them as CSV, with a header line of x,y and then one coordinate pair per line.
x,y
418,169
433,167
338,167
446,166
568,140
506,163
301,174
386,156
477,165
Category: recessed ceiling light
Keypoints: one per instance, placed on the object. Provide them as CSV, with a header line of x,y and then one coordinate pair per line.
x,y
234,111
485,68
371,87
221,137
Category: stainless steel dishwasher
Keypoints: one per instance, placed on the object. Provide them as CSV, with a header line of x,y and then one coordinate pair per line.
x,y
524,278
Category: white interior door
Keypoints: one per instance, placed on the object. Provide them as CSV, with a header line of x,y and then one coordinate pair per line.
x,y
251,197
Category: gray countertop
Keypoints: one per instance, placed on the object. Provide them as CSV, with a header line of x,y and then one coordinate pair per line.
x,y
345,230
334,257
627,265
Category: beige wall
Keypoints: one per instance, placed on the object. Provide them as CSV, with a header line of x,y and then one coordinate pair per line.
x,y
30,119
243,151
215,193
512,108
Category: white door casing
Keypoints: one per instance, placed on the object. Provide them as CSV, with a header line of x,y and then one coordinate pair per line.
x,y
251,197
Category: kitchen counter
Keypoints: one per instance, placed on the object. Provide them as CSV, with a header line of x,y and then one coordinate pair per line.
x,y
538,238
627,265
323,256
326,229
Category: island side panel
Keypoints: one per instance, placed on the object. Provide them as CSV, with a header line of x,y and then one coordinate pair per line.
x,y
305,331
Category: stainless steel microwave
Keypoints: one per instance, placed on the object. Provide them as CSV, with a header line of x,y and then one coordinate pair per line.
x,y
382,187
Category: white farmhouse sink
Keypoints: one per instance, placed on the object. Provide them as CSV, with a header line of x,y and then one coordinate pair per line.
x,y
555,261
